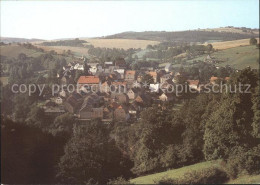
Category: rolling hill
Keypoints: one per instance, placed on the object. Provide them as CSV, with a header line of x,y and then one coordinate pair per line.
x,y
184,36
12,40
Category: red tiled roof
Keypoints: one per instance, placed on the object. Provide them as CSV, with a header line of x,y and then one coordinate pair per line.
x,y
88,80
227,78
213,78
153,73
194,82
119,83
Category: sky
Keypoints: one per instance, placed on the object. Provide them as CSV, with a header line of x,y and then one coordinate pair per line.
x,y
70,19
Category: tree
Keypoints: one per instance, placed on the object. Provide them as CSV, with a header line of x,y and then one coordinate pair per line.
x,y
63,123
149,46
232,124
28,155
252,41
22,56
36,117
209,47
90,156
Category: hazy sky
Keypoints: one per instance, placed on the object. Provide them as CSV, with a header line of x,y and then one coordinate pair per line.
x,y
68,19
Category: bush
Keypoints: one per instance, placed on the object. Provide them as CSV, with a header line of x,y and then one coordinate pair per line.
x,y
119,180
211,175
243,161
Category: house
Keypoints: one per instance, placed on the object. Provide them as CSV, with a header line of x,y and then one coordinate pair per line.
x,y
194,84
58,100
89,82
121,72
90,108
121,113
213,79
147,69
120,63
143,99
91,113
73,102
120,98
168,67
227,78
130,76
118,86
107,64
105,87
154,88
93,67
108,113
79,67
165,77
166,97
54,111
133,112
132,93
140,76
154,75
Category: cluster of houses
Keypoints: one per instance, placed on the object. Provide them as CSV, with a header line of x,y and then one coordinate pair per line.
x,y
111,92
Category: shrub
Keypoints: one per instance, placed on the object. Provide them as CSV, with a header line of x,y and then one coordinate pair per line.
x,y
211,175
119,180
243,161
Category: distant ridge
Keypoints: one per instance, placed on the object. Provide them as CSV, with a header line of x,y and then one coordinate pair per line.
x,y
200,35
13,40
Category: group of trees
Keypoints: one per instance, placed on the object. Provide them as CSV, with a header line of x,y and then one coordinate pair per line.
x,y
106,54
75,43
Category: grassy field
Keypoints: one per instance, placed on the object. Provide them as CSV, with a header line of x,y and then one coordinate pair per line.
x,y
120,43
12,51
179,173
252,179
238,57
231,44
175,173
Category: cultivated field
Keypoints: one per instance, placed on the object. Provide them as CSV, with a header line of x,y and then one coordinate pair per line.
x,y
78,51
120,43
12,51
231,44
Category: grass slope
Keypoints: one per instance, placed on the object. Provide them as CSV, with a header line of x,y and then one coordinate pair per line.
x,y
12,51
178,173
247,179
238,57
175,173
231,44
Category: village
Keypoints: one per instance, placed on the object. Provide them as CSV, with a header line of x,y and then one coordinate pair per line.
x,y
111,92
